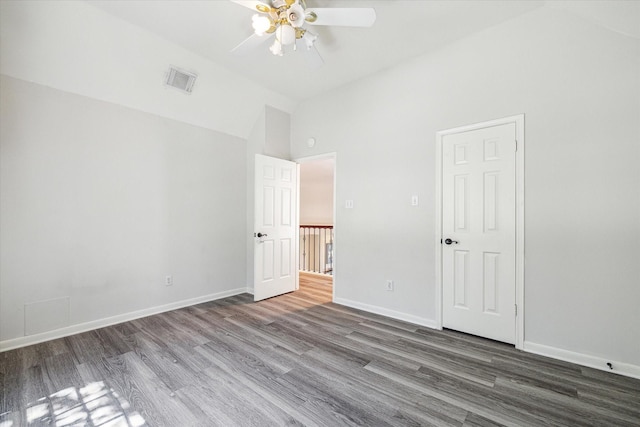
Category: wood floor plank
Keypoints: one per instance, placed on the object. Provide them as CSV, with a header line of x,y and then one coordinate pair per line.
x,y
246,404
261,387
415,406
328,403
321,339
565,406
300,360
87,346
33,391
344,380
104,404
477,405
10,380
169,368
146,391
60,373
181,324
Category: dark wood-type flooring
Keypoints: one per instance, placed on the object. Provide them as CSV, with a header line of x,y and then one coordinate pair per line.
x,y
298,359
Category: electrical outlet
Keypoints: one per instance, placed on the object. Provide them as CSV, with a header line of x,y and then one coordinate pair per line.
x,y
168,280
348,204
389,285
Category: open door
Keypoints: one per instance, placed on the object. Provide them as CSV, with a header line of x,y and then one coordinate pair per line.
x,y
275,232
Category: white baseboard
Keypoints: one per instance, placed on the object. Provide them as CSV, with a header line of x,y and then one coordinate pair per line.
x,y
594,362
416,320
114,320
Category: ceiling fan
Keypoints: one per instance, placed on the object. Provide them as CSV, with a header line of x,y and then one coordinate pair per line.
x,y
286,19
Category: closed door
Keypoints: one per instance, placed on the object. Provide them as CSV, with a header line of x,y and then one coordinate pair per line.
x,y
479,232
274,232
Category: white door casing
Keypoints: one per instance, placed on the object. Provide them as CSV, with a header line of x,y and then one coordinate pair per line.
x,y
480,207
276,209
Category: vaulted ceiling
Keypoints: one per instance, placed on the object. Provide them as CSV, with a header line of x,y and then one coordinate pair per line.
x,y
404,29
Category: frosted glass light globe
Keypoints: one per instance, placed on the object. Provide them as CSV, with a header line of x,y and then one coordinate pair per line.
x,y
260,24
286,34
276,48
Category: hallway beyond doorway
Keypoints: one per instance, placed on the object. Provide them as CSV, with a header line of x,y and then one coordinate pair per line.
x,y
320,287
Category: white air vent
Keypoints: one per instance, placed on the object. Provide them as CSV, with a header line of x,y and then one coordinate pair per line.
x,y
180,79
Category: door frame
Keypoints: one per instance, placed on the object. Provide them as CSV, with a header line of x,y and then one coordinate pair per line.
x,y
519,200
333,155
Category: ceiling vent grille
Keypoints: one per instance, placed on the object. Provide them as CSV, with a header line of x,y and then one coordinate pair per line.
x,y
180,79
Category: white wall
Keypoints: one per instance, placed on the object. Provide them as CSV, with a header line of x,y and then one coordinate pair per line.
x,y
99,202
579,86
277,141
77,48
270,136
316,192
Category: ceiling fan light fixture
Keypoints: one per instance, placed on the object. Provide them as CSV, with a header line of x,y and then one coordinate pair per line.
x,y
261,24
309,39
276,48
286,34
285,20
295,15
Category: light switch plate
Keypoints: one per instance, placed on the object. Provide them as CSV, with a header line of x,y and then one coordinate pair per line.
x,y
414,200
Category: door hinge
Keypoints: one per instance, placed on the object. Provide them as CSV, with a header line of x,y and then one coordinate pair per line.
x,y
516,305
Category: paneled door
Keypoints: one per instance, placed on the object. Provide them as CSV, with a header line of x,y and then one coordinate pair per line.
x,y
276,208
479,232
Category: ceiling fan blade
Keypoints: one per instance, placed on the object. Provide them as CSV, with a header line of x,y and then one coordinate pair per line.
x,y
250,43
311,55
346,17
256,6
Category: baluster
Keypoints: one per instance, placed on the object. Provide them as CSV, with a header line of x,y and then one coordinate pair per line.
x,y
319,251
331,261
326,254
310,260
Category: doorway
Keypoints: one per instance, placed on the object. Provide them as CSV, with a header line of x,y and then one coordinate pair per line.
x,y
480,242
316,215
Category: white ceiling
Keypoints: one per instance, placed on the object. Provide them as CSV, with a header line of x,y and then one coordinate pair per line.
x,y
403,30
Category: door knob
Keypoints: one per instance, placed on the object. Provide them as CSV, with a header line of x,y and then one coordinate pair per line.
x,y
449,241
262,235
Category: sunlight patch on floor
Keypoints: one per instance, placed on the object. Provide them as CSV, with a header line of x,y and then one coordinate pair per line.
x,y
92,405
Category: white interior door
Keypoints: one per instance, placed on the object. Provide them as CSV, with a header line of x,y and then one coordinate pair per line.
x,y
276,208
479,232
